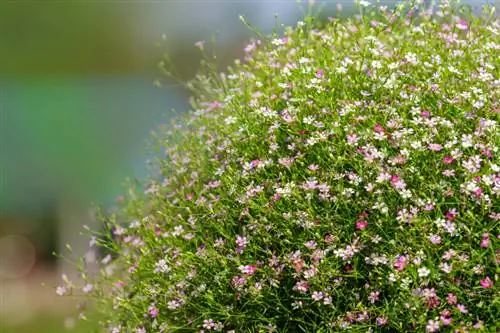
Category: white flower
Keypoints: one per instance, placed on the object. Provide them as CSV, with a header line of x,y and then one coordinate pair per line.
x,y
61,290
161,266
423,272
230,120
317,295
364,3
87,288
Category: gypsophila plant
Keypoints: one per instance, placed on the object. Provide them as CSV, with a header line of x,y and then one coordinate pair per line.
x,y
342,177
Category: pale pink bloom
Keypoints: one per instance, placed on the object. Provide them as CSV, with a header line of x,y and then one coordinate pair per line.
x,y
446,320
449,173
241,241
435,147
247,269
87,288
61,290
311,245
479,325
352,139
313,167
208,324
153,311
317,295
119,284
462,308
435,239
485,242
374,296
462,25
432,326
301,286
238,281
451,299
400,263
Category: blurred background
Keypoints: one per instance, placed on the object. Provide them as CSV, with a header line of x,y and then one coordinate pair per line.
x,y
77,102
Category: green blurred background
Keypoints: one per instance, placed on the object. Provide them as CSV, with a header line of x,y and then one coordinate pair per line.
x,y
77,102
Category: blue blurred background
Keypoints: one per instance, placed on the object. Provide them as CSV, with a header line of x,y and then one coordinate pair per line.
x,y
77,103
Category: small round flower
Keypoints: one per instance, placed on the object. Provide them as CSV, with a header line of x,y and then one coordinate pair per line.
x,y
61,290
432,326
153,311
317,295
462,25
486,283
423,272
360,225
87,288
435,239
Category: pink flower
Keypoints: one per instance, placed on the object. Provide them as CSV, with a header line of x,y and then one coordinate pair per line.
x,y
329,239
374,296
313,167
449,173
435,239
425,114
361,225
378,128
446,317
478,192
448,160
241,241
352,139
153,311
319,73
254,163
119,283
462,308
311,245
462,25
486,283
247,269
451,299
485,242
400,263
435,147
432,326
301,286
238,281
397,182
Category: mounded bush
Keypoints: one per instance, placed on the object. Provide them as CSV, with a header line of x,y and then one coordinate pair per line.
x,y
344,176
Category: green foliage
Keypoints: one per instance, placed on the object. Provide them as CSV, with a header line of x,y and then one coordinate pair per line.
x,y
344,176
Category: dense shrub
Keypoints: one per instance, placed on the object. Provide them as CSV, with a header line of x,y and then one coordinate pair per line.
x,y
344,176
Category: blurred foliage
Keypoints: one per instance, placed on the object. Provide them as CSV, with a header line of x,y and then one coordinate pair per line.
x,y
55,37
50,323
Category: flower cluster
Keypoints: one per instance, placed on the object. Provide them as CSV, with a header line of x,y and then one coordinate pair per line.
x,y
344,176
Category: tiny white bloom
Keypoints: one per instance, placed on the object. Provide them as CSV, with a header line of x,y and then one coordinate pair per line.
x,y
423,272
